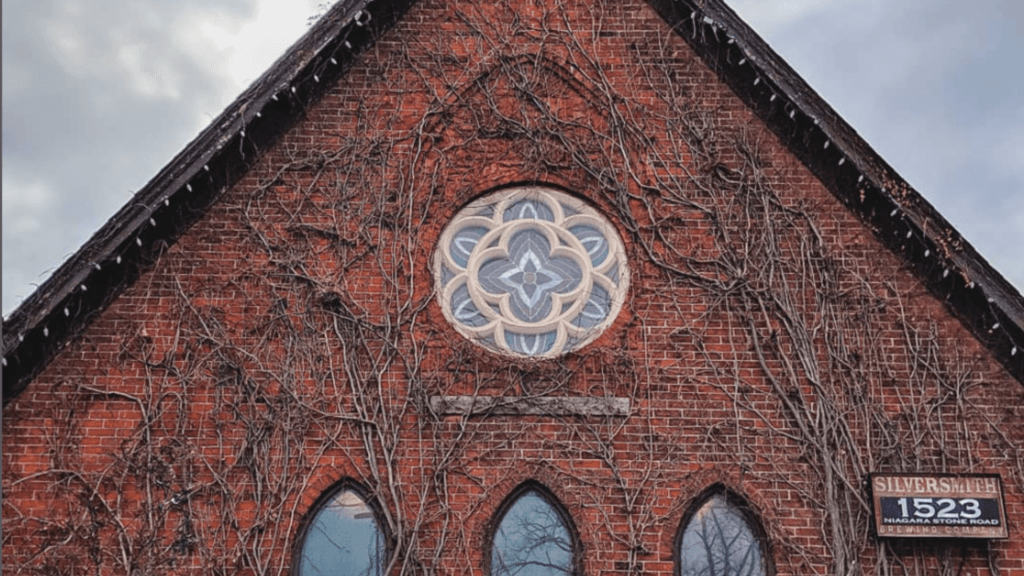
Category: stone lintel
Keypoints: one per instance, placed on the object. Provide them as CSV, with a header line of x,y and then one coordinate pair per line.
x,y
529,405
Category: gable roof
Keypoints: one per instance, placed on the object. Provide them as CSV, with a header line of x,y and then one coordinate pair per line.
x,y
192,181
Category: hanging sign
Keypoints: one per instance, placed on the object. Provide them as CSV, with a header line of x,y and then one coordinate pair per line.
x,y
939,506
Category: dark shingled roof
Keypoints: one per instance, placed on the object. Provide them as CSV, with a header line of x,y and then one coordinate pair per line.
x,y
179,194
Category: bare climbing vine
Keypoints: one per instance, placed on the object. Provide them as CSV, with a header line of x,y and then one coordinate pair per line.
x,y
312,354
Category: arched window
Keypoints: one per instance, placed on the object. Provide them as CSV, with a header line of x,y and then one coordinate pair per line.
x,y
720,540
533,537
344,537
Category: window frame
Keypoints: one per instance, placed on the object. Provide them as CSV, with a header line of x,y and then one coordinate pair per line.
x,y
612,275
741,507
576,543
327,496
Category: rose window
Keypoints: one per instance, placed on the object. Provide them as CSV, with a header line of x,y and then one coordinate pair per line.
x,y
531,272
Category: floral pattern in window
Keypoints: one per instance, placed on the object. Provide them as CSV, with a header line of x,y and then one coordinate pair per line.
x,y
530,272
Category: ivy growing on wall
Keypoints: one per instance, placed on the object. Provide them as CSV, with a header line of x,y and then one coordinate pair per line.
x,y
792,365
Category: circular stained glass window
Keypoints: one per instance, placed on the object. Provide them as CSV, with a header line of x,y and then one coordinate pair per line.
x,y
530,272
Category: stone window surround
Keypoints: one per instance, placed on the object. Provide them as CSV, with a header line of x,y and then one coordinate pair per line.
x,y
603,281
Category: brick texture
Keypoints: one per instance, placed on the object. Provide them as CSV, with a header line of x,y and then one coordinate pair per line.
x,y
770,345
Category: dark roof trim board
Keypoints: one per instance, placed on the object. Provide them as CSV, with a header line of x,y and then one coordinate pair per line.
x,y
989,306
179,194
159,213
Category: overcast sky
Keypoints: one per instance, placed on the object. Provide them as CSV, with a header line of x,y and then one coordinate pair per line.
x,y
99,94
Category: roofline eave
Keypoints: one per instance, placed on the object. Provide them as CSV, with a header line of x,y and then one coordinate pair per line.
x,y
989,306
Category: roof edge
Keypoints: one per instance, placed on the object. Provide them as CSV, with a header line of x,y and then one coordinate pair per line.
x,y
899,216
135,237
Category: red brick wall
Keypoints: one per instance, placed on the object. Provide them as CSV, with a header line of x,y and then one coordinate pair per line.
x,y
291,338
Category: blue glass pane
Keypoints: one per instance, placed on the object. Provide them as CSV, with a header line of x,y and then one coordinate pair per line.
x,y
718,542
464,242
529,210
530,275
530,344
531,540
596,309
465,310
593,242
613,274
343,540
446,275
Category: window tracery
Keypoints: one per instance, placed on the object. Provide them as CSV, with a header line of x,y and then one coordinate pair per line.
x,y
530,271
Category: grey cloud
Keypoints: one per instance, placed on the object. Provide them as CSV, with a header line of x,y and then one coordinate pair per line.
x,y
933,85
73,124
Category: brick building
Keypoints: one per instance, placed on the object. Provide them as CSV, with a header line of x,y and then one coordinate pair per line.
x,y
518,287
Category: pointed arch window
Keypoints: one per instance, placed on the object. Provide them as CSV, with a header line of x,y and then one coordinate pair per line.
x,y
720,539
344,537
533,537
